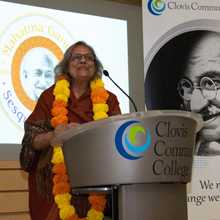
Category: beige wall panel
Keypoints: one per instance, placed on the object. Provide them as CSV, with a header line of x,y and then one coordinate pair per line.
x,y
13,164
15,216
13,180
14,202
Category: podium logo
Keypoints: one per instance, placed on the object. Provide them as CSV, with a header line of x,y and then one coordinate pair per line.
x,y
156,7
128,135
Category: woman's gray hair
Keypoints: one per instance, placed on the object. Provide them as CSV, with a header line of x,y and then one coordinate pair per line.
x,y
62,67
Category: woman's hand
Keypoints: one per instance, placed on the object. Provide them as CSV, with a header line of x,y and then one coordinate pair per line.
x,y
62,127
42,141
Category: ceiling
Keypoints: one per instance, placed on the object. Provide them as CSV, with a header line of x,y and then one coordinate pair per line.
x,y
133,2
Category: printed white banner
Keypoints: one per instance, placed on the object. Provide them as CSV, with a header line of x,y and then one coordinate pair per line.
x,y
33,37
182,71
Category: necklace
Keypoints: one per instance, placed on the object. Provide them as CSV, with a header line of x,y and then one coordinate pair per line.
x,y
61,187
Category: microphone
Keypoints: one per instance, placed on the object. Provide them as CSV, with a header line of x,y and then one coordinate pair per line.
x,y
105,72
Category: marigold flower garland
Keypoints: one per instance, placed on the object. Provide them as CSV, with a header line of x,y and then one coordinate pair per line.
x,y
61,188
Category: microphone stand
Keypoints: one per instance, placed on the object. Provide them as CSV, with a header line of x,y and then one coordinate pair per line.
x,y
105,72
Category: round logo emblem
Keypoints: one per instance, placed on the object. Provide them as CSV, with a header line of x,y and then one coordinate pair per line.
x,y
30,47
123,139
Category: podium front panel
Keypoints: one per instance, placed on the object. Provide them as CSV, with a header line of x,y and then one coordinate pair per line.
x,y
141,149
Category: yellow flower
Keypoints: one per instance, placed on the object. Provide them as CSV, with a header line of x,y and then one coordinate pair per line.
x,y
66,212
63,200
100,115
57,155
61,90
57,150
100,108
62,205
62,87
63,83
94,215
96,83
61,96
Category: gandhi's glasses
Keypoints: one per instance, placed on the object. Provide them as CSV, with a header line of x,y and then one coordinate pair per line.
x,y
77,57
208,87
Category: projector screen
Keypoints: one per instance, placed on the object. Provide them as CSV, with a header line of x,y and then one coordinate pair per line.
x,y
27,31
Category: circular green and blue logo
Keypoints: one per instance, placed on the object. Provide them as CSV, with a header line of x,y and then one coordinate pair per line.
x,y
128,137
156,7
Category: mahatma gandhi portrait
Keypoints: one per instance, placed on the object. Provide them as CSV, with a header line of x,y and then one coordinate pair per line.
x,y
186,75
199,89
37,72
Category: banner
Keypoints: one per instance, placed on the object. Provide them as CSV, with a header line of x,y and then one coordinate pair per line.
x,y
32,42
182,71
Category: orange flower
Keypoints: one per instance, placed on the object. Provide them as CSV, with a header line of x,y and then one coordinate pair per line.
x,y
99,96
61,188
60,102
59,119
59,178
62,77
99,208
97,199
59,168
98,202
75,217
59,110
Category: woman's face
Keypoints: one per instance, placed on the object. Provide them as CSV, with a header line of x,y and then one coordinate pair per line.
x,y
81,68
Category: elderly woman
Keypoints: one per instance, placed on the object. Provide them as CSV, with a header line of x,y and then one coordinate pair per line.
x,y
79,68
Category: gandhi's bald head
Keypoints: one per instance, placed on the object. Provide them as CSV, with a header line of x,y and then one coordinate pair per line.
x,y
205,53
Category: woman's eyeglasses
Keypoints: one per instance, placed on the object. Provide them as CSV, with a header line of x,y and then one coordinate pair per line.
x,y
207,86
77,57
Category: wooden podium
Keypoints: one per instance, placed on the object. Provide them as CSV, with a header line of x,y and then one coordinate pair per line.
x,y
146,155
